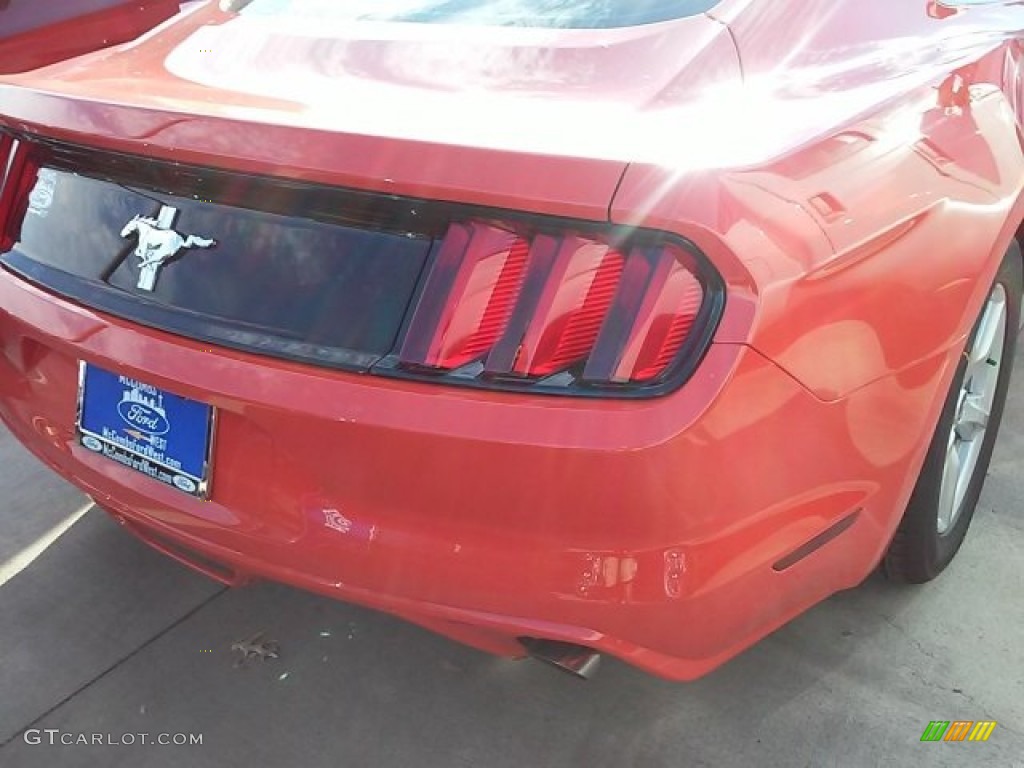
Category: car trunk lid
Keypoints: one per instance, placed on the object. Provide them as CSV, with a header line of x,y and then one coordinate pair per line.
x,y
534,119
325,163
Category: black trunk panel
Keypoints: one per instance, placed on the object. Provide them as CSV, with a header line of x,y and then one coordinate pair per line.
x,y
276,281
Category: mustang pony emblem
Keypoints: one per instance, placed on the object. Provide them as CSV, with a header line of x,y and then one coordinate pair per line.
x,y
158,243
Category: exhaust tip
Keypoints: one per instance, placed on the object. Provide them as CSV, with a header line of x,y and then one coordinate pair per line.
x,y
577,660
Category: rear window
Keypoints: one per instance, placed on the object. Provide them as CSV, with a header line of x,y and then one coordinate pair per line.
x,y
572,14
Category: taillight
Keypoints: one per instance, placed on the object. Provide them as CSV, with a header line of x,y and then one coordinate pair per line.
x,y
468,297
6,143
6,152
18,174
571,311
654,312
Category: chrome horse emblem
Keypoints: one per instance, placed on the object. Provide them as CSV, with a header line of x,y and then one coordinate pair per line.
x,y
158,243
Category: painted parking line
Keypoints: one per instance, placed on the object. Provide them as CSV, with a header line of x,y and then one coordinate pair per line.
x,y
22,559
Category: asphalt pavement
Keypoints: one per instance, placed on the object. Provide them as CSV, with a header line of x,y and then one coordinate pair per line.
x,y
102,639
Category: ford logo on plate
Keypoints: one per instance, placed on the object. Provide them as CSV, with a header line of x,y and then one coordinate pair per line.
x,y
185,483
143,413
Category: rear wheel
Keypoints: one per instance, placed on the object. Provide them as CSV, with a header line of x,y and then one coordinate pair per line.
x,y
942,504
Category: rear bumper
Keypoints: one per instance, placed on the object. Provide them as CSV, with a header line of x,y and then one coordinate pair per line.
x,y
661,531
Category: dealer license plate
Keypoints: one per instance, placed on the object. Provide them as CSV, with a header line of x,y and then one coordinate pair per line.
x,y
158,433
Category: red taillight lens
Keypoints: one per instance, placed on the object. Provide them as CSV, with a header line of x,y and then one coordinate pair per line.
x,y
652,318
569,288
6,145
6,152
18,175
468,297
525,307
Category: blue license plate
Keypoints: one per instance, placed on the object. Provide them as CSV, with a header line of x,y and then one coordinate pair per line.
x,y
150,430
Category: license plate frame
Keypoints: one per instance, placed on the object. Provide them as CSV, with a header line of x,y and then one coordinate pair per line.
x,y
138,430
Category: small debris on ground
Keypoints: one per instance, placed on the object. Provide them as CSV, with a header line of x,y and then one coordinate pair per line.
x,y
256,647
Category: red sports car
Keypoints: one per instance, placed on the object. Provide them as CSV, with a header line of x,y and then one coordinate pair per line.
x,y
561,328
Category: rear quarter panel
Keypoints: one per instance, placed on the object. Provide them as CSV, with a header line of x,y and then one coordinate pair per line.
x,y
858,203
896,137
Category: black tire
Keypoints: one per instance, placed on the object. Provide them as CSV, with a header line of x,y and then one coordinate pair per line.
x,y
918,552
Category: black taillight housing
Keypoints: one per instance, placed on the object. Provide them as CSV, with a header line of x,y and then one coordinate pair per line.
x,y
564,309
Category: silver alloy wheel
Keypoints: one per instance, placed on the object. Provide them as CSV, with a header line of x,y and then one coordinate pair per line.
x,y
974,404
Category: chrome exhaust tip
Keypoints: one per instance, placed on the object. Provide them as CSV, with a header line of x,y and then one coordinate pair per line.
x,y
577,660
